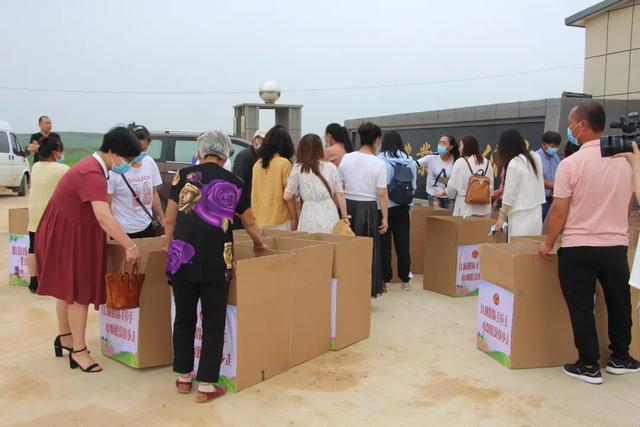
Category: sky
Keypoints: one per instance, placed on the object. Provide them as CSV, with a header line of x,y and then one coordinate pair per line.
x,y
234,46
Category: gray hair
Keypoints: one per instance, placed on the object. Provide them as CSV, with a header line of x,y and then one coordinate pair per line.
x,y
214,143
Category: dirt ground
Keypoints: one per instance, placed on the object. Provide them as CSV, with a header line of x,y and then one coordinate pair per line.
x,y
419,367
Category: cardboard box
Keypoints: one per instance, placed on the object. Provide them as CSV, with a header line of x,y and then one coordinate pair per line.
x,y
243,236
452,258
523,321
140,337
311,305
418,238
350,288
258,322
634,234
18,247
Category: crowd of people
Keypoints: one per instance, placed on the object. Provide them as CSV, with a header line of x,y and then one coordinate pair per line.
x,y
369,189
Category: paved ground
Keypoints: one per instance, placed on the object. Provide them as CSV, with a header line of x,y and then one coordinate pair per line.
x,y
420,367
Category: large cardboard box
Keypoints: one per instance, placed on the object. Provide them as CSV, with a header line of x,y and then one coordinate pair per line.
x,y
452,258
418,238
140,337
243,236
311,304
18,247
350,288
258,322
523,321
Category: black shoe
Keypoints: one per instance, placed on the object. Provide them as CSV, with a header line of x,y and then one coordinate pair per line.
x,y
33,285
589,374
621,367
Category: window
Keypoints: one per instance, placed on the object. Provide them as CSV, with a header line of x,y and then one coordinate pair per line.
x,y
185,150
236,149
17,148
4,142
155,149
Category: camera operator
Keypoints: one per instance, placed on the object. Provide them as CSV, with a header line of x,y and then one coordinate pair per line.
x,y
590,210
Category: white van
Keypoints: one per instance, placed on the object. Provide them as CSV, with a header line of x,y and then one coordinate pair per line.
x,y
14,166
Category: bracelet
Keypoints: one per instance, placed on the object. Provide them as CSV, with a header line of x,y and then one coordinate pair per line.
x,y
346,217
132,247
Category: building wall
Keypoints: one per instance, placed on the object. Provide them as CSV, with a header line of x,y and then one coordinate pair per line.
x,y
612,53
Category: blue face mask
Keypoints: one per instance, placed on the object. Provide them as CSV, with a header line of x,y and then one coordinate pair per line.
x,y
572,138
61,159
122,168
139,157
552,151
442,150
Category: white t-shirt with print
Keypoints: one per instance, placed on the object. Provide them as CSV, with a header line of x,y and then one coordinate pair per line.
x,y
363,175
124,206
435,166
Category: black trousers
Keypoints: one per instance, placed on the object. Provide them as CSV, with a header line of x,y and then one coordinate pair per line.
x,y
213,298
399,226
147,232
579,268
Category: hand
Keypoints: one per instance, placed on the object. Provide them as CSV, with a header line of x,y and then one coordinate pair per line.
x,y
632,158
132,255
294,225
259,247
544,250
346,221
384,226
439,194
34,146
499,224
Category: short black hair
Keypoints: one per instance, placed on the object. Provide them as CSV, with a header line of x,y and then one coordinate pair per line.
x,y
141,131
48,145
593,113
368,133
551,137
41,118
121,141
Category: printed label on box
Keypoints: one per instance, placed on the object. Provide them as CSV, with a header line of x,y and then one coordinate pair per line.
x,y
119,334
229,365
334,308
468,271
495,315
18,254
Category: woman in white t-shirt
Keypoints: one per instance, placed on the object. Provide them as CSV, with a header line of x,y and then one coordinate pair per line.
x,y
470,162
439,167
523,194
365,188
134,196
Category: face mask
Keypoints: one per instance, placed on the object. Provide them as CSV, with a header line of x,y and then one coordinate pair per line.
x,y
139,157
442,150
257,147
122,168
60,159
571,138
552,151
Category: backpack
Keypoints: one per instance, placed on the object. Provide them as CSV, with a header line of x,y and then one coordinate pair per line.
x,y
479,188
401,185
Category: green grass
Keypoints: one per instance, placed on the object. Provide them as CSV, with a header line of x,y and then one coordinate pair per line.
x,y
76,144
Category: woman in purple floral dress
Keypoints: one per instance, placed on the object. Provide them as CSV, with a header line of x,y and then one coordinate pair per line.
x,y
204,202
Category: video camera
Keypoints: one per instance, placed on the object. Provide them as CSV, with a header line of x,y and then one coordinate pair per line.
x,y
611,145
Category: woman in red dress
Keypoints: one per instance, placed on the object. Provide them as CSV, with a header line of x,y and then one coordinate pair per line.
x,y
71,244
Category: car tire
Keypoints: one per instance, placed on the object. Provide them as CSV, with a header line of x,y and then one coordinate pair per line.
x,y
22,190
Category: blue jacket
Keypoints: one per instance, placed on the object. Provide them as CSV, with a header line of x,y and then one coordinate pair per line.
x,y
402,159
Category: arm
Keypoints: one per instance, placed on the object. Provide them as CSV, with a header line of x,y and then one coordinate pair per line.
x,y
170,220
342,204
249,224
548,184
108,223
452,187
555,222
384,207
157,207
293,211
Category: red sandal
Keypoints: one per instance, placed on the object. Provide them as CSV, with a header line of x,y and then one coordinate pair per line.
x,y
183,387
208,396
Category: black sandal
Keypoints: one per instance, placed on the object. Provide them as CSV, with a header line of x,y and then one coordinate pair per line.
x,y
58,347
89,369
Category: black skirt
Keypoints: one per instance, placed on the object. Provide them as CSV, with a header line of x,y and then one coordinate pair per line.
x,y
365,220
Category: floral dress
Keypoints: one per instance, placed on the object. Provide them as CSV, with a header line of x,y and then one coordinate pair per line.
x,y
319,212
209,198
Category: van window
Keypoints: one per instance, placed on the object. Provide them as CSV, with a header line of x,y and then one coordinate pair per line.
x,y
4,142
155,149
17,148
185,150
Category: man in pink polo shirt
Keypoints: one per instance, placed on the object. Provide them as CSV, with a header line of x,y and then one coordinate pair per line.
x,y
590,209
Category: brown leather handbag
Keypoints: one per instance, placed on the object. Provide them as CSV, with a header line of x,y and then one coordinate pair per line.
x,y
123,288
479,188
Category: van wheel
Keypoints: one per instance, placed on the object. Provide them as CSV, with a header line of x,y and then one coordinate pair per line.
x,y
22,190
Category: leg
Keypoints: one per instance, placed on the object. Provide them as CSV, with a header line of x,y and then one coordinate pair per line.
x,y
77,314
63,323
401,239
613,273
31,263
184,327
578,283
385,249
214,313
